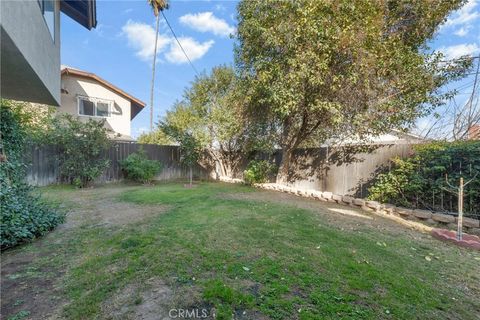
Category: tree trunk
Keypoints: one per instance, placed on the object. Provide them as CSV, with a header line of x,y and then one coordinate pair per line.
x,y
283,175
191,176
153,74
287,150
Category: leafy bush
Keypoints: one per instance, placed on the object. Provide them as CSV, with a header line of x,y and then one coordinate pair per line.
x,y
259,171
83,146
24,215
138,167
419,181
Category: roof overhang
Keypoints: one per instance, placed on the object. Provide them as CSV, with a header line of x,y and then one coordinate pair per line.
x,y
136,104
82,11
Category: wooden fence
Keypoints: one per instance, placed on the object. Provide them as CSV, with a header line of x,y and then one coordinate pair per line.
x,y
343,171
322,168
44,168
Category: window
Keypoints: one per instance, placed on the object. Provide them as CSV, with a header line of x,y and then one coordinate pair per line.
x,y
93,107
48,10
102,109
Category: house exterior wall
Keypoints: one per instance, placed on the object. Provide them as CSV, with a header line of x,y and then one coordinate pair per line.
x,y
30,61
119,120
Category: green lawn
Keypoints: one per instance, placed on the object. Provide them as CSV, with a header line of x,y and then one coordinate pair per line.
x,y
221,246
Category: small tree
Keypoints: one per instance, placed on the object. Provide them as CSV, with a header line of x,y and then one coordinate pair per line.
x,y
83,146
190,148
189,151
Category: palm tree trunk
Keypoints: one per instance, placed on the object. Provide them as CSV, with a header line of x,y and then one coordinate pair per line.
x,y
153,73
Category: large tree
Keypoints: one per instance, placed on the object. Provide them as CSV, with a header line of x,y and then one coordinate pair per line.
x,y
211,112
332,69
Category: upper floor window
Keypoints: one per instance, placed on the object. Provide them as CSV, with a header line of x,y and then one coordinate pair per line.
x,y
94,107
48,10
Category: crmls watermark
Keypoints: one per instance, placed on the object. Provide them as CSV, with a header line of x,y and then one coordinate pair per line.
x,y
188,313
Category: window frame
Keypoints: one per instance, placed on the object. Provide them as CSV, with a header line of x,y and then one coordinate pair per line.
x,y
95,101
41,4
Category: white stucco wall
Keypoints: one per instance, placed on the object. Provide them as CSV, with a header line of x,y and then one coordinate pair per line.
x,y
119,120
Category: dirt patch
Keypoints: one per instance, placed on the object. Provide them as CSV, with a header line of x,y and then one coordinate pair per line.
x,y
102,208
35,289
28,290
148,301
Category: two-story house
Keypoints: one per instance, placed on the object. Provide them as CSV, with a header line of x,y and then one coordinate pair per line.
x,y
88,96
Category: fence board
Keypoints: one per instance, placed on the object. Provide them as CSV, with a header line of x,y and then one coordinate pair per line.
x,y
316,168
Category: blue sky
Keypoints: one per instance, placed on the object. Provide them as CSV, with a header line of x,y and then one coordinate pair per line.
x,y
120,49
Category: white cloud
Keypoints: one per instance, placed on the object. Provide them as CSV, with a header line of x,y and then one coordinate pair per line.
x,y
141,37
459,50
220,8
207,22
463,31
464,15
194,50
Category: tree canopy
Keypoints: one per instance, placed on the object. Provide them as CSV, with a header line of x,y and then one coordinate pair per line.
x,y
333,69
211,113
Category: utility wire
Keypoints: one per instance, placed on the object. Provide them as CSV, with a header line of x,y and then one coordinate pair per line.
x,y
181,47
460,59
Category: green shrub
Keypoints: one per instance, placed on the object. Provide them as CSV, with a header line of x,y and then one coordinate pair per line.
x,y
24,215
419,181
83,147
259,171
138,167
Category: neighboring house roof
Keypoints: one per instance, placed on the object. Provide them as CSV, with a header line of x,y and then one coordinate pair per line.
x,y
393,137
407,135
474,132
136,104
120,137
82,11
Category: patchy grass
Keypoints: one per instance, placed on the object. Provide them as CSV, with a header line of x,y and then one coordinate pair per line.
x,y
255,259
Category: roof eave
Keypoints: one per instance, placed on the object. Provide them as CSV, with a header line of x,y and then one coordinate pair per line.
x,y
82,11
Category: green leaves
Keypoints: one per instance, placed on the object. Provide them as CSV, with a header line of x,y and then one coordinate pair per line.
x,y
138,167
23,215
156,137
83,146
259,171
320,69
420,180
